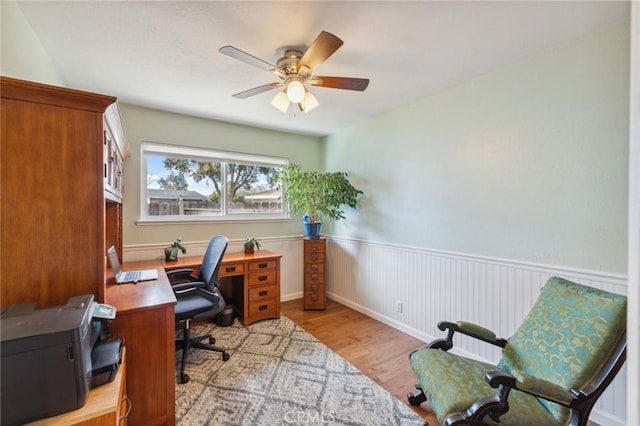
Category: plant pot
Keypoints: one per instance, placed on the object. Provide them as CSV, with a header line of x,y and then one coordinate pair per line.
x,y
312,229
248,249
170,253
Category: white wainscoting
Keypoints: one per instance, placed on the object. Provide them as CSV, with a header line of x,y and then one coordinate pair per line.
x,y
434,286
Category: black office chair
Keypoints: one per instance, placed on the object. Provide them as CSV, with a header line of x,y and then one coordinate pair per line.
x,y
197,296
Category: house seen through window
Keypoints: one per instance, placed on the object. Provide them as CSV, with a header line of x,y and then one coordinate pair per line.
x,y
197,184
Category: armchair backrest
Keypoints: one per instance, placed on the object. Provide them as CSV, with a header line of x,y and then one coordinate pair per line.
x,y
212,259
568,335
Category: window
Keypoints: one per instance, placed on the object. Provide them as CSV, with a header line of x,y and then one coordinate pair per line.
x,y
194,184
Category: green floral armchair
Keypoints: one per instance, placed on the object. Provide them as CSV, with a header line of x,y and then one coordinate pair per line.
x,y
552,371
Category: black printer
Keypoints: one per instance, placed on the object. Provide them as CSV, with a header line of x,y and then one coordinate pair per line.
x,y
46,362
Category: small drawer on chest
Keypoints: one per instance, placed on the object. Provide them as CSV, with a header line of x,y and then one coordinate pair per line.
x,y
313,257
315,299
317,278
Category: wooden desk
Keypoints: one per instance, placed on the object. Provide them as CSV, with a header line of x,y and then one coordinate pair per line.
x,y
146,319
251,280
106,405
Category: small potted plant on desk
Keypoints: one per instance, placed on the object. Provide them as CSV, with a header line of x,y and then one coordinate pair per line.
x,y
251,244
171,252
319,196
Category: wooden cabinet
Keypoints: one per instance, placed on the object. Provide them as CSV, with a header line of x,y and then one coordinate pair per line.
x,y
145,318
314,274
54,224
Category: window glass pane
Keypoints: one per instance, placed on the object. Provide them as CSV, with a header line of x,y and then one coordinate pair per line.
x,y
249,189
177,186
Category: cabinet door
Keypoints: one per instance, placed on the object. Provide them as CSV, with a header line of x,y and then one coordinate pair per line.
x,y
51,203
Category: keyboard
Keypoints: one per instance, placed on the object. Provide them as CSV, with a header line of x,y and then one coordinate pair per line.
x,y
132,276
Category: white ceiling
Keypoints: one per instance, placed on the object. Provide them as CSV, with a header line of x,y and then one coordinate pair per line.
x,y
165,54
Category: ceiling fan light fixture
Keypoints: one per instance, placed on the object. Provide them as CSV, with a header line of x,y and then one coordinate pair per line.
x,y
295,91
281,101
309,102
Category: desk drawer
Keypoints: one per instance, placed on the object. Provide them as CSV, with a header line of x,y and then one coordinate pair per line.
x,y
261,266
263,277
263,309
231,269
258,294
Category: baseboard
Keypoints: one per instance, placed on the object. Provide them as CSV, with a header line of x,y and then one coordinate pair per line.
x,y
291,296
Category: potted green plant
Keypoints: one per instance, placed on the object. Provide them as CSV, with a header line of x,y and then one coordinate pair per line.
x,y
251,244
319,196
171,252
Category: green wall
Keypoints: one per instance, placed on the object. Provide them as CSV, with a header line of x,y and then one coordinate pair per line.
x,y
527,163
143,124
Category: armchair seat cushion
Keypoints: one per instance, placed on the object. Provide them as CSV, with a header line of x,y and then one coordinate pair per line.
x,y
453,383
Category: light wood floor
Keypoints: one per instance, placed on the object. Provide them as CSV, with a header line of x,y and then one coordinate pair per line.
x,y
378,350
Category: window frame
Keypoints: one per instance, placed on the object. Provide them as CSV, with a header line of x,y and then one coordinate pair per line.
x,y
214,155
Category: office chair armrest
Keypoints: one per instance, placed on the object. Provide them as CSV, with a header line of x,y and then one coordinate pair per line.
x,y
183,288
182,275
466,328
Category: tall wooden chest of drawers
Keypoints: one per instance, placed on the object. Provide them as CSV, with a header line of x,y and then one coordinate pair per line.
x,y
314,268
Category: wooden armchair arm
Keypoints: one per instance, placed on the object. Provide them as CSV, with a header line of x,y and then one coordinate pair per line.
x,y
532,385
466,328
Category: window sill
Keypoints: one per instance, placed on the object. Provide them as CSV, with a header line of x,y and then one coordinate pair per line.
x,y
207,220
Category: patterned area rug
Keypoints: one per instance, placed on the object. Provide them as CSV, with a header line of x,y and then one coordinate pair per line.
x,y
279,374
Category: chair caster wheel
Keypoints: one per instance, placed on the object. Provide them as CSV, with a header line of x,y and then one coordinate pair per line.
x,y
416,397
212,340
225,356
184,379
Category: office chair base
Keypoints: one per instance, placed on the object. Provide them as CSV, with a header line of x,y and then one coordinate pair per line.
x,y
187,342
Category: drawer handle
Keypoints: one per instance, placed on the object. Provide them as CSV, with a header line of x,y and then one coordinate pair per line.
x,y
314,257
230,269
314,278
314,297
128,401
314,288
262,265
262,307
263,277
314,248
263,292
314,268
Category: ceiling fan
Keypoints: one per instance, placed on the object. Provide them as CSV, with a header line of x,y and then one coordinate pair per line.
x,y
295,70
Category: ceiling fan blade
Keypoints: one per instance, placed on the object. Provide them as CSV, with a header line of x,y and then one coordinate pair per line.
x,y
322,47
340,82
257,90
251,60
